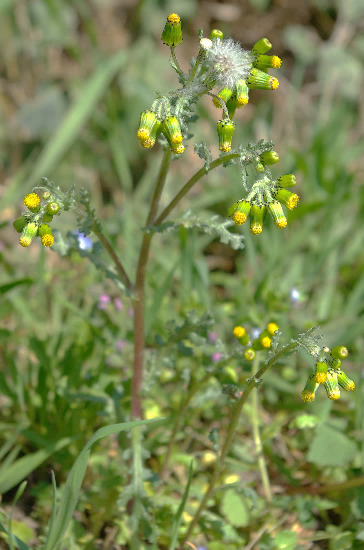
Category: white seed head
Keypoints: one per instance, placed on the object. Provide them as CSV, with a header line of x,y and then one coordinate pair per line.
x,y
228,61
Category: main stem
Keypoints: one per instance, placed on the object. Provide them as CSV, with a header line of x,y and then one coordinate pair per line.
x,y
139,297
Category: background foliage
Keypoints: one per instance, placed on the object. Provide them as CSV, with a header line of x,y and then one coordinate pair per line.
x,y
75,76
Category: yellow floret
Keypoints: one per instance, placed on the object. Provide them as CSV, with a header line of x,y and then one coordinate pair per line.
x,y
274,83
179,149
256,229
266,341
148,143
47,240
241,101
31,200
239,331
293,201
333,394
239,218
25,241
143,134
281,224
249,354
176,139
308,396
276,62
320,377
225,147
173,18
272,328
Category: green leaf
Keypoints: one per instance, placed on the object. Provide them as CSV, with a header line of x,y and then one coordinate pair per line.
x,y
19,543
177,517
61,516
286,539
330,447
9,286
14,474
234,508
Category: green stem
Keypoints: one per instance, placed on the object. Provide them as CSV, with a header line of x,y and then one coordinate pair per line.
x,y
219,465
175,61
110,250
191,182
139,300
258,442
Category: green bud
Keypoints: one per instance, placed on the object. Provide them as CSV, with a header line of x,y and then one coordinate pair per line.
x,y
259,167
259,80
262,46
308,392
340,352
46,195
269,157
256,218
47,218
332,385
334,362
264,62
242,93
276,211
320,372
172,32
216,33
225,132
225,94
28,234
20,223
44,229
289,180
53,208
345,382
149,126
172,131
231,106
239,211
286,197
249,354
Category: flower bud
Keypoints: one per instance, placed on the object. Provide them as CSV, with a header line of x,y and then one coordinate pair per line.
x,y
269,157
47,218
225,94
28,234
149,125
249,354
242,93
20,223
239,211
276,211
264,62
345,382
259,80
289,180
216,33
45,233
334,363
172,32
172,131
52,208
239,331
332,385
225,132
308,392
256,219
262,46
32,202
286,197
259,167
46,195
320,372
340,352
265,339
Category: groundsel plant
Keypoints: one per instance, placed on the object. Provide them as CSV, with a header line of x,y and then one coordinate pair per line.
x,y
227,73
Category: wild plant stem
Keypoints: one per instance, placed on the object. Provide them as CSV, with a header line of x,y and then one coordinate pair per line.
x,y
219,465
110,250
258,441
139,297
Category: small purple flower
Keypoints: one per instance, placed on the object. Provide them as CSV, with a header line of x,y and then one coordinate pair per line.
x,y
212,337
104,300
295,295
118,304
216,357
84,243
255,333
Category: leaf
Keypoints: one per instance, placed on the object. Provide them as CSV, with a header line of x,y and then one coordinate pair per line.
x,y
19,543
234,508
330,447
61,516
204,153
177,517
9,286
285,539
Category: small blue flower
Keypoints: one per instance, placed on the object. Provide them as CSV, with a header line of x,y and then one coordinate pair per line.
x,y
84,243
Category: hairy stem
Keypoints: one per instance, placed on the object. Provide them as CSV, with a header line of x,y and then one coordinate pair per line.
x,y
139,299
219,466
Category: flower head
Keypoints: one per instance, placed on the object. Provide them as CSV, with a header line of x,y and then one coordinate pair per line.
x,y
228,62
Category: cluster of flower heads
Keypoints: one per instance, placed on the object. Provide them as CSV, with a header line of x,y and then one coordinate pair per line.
x,y
266,194
221,63
328,372
262,342
34,221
